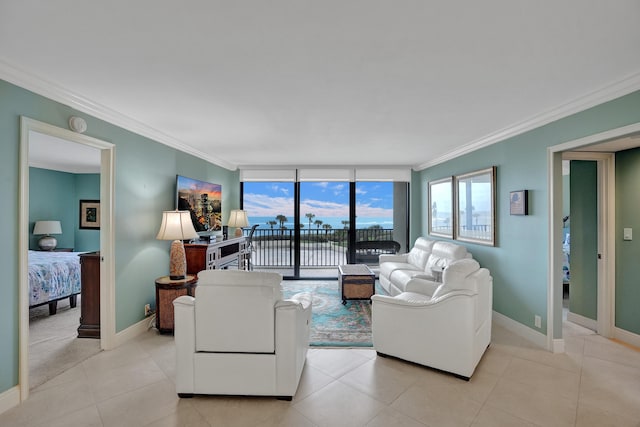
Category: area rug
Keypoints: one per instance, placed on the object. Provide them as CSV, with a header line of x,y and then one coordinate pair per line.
x,y
334,324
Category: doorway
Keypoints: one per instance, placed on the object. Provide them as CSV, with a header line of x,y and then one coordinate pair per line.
x,y
29,127
600,148
581,242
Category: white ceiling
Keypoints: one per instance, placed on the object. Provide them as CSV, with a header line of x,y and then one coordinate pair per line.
x,y
362,82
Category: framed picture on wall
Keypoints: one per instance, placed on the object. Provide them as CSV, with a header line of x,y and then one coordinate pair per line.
x,y
90,214
475,206
441,207
518,202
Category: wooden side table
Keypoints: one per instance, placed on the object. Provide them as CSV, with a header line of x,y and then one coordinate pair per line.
x,y
166,291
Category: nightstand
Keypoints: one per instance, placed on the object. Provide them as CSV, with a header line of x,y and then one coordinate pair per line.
x,y
166,291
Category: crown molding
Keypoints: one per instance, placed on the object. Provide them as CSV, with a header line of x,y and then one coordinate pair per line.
x,y
48,89
606,93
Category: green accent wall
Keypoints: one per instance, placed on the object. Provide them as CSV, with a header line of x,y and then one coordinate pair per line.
x,y
518,262
583,289
145,179
628,251
56,195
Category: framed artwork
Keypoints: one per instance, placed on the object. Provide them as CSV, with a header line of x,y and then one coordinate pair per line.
x,y
441,207
204,201
90,214
475,206
518,202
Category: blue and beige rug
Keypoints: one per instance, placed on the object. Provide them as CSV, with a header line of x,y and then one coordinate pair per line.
x,y
334,324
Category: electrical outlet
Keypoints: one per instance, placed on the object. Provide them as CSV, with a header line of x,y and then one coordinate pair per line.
x,y
538,321
147,310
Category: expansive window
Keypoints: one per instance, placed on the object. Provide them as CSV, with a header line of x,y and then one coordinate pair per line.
x,y
271,206
306,228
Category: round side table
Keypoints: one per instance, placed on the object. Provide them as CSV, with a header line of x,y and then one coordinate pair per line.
x,y
166,291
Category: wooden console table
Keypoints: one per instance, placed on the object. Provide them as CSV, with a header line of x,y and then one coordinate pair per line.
x,y
209,256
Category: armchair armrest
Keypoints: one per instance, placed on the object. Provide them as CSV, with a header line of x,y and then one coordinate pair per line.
x,y
302,300
293,323
185,340
393,258
422,284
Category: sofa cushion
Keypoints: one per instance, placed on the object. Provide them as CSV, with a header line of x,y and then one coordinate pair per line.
x,y
443,254
387,268
401,277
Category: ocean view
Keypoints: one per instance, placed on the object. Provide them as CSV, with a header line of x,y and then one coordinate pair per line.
x,y
335,222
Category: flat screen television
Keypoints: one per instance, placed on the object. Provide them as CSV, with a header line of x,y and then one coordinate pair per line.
x,y
203,200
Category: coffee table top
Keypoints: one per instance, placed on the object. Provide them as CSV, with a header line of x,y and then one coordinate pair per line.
x,y
355,270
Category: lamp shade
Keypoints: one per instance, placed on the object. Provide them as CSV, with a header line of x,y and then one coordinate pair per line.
x,y
238,218
176,225
47,227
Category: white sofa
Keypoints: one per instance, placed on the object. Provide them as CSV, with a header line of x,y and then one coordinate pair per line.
x,y
239,337
414,271
449,330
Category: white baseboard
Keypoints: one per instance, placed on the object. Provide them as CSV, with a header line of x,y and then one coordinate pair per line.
x,y
582,321
9,399
626,336
558,345
525,332
133,331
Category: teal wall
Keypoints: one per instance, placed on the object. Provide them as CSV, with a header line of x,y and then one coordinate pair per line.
x,y
145,174
628,251
87,188
518,262
56,195
583,289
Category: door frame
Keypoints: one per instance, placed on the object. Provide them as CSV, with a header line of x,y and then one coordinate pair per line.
x,y
606,232
605,187
107,237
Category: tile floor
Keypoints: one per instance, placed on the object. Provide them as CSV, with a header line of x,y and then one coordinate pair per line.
x,y
595,383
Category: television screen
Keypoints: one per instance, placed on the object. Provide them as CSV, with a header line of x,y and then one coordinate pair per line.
x,y
203,200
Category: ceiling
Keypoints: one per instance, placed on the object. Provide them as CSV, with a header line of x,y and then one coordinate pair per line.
x,y
364,82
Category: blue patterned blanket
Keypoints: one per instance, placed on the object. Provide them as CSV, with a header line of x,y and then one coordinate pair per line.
x,y
52,276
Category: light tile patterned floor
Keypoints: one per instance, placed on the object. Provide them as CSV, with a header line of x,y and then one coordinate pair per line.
x,y
596,383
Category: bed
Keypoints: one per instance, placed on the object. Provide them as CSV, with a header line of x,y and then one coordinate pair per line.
x,y
53,276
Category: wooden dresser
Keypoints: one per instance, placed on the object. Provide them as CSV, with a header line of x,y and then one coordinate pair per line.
x,y
90,295
208,256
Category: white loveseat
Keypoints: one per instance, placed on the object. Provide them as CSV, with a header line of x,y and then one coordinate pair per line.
x,y
414,271
449,330
238,336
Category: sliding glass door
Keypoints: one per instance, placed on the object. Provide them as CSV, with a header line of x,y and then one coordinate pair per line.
x,y
324,227
308,227
271,205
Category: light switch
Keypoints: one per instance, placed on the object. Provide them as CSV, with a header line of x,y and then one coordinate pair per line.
x,y
627,234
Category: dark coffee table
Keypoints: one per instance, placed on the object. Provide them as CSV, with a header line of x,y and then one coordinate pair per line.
x,y
356,282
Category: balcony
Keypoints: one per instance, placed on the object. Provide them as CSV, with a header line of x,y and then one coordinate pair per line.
x,y
321,251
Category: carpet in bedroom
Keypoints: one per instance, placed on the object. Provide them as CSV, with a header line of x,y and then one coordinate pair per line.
x,y
53,343
334,324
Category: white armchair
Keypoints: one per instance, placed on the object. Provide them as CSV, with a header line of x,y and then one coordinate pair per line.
x,y
449,330
239,337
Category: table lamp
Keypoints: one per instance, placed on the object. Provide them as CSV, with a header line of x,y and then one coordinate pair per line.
x,y
177,226
46,228
238,218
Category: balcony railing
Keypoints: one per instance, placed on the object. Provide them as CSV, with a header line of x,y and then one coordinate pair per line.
x,y
318,248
